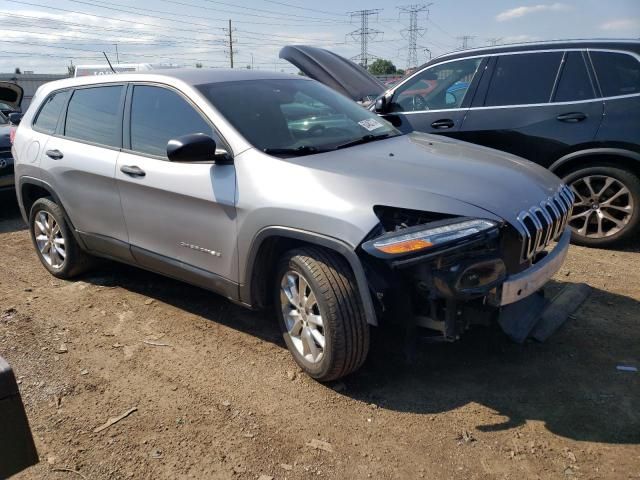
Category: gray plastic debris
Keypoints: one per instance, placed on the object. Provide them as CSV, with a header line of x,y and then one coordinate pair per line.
x,y
626,368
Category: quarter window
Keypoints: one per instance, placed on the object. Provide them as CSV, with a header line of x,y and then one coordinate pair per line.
x,y
443,86
47,118
574,81
522,79
159,115
92,115
618,73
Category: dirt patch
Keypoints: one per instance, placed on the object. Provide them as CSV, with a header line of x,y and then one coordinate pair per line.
x,y
216,394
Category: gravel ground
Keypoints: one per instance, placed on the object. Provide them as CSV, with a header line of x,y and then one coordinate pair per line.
x,y
218,396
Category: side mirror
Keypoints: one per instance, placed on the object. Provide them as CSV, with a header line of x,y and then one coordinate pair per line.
x,y
381,105
196,147
15,117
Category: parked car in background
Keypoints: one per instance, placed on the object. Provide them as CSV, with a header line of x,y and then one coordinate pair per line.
x,y
570,106
11,96
342,226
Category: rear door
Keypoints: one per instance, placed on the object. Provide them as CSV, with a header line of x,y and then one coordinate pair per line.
x,y
436,99
79,162
538,105
180,216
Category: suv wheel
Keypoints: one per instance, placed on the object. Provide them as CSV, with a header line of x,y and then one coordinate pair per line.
x,y
607,206
56,246
320,313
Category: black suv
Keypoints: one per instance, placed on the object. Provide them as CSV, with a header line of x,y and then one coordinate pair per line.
x,y
571,106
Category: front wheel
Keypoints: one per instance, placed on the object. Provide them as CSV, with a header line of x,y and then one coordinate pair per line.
x,y
321,314
607,205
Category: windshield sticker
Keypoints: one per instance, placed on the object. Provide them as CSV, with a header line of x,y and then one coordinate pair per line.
x,y
370,124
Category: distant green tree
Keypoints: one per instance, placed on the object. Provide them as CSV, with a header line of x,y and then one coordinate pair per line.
x,y
400,72
198,65
18,71
382,67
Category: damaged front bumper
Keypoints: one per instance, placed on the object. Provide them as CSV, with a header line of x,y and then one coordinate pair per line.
x,y
449,291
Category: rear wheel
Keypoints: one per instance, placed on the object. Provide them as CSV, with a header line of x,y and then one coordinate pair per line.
x,y
607,205
55,245
320,313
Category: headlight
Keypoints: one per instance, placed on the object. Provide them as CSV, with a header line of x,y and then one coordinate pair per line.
x,y
429,236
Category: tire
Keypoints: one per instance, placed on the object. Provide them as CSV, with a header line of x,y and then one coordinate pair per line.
x,y
627,223
344,326
72,260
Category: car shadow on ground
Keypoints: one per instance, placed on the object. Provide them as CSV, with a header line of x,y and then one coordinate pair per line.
x,y
10,218
570,382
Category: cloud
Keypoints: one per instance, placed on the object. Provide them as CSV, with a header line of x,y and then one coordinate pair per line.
x,y
522,11
621,24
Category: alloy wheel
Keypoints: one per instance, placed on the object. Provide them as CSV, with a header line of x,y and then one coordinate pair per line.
x,y
603,206
49,239
302,316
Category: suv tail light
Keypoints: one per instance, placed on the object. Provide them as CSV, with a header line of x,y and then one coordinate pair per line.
x,y
12,134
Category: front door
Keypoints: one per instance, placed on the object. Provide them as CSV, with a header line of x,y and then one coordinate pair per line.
x,y
536,105
180,216
436,99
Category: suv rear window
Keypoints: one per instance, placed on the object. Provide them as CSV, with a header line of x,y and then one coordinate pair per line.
x,y
92,115
47,118
574,81
523,78
618,73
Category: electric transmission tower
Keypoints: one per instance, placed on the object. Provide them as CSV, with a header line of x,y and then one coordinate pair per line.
x,y
364,34
413,32
464,39
493,41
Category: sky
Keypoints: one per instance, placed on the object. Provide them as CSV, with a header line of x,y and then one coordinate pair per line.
x,y
45,36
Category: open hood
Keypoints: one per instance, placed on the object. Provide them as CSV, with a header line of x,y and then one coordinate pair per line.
x,y
11,94
334,71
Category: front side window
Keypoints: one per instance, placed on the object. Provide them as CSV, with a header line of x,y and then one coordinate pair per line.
x,y
159,115
289,117
47,118
440,87
93,115
574,83
618,73
522,79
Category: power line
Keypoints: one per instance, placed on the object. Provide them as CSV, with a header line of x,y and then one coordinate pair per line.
x,y
413,31
364,33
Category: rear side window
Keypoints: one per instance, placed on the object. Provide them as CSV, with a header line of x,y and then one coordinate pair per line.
x,y
47,117
522,79
93,115
618,73
574,83
159,115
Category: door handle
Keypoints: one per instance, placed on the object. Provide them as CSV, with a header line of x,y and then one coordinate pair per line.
x,y
442,124
132,170
54,154
573,117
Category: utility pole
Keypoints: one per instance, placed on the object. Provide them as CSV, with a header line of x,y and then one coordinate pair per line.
x,y
412,33
364,33
465,41
493,41
229,32
117,57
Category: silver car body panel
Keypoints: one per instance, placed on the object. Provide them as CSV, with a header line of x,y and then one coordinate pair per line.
x,y
209,217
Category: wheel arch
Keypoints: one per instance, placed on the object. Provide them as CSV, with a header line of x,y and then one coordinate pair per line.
x,y
269,245
619,157
31,189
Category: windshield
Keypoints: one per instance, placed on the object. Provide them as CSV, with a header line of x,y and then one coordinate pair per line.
x,y
286,117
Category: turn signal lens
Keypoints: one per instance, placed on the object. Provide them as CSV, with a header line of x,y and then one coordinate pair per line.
x,y
406,246
432,237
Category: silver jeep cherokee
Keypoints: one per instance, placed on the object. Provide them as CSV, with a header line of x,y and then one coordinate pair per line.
x,y
273,189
